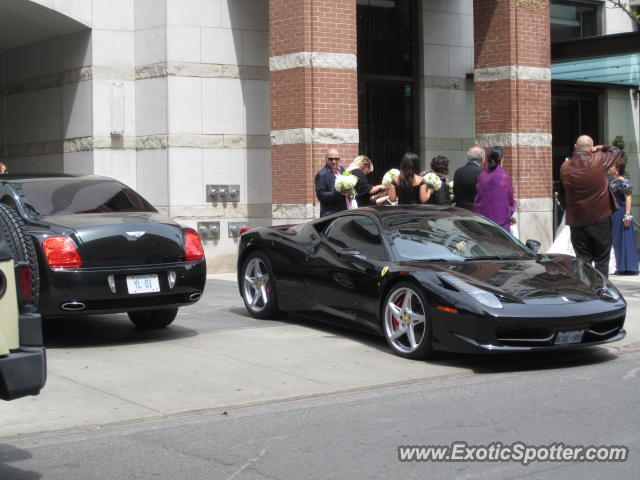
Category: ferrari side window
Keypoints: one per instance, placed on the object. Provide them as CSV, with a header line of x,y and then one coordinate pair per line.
x,y
357,232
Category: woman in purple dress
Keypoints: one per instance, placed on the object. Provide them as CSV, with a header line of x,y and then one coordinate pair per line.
x,y
494,192
623,233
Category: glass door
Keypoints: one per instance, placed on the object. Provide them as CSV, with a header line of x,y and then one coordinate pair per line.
x,y
388,81
575,112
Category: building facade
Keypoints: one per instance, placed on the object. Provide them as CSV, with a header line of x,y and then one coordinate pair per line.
x,y
219,112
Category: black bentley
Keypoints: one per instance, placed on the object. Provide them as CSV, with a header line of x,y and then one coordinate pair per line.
x,y
102,248
428,278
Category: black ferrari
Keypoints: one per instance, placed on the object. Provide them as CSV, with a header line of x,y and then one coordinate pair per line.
x,y
428,278
102,248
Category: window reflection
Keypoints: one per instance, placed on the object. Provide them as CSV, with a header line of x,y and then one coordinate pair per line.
x,y
357,232
72,196
571,20
438,236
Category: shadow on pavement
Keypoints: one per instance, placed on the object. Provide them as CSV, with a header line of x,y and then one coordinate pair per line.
x,y
8,454
478,363
526,361
104,330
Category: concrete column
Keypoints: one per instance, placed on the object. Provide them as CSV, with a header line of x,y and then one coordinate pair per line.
x,y
314,97
512,76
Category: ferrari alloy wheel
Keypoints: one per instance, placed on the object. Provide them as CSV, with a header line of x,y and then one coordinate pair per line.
x,y
258,287
152,319
407,327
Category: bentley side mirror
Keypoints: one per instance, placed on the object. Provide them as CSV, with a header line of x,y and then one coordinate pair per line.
x,y
533,245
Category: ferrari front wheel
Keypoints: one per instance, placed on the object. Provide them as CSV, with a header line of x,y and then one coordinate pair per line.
x,y
406,323
259,287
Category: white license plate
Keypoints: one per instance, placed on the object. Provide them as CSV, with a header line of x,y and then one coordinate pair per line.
x,y
143,283
574,336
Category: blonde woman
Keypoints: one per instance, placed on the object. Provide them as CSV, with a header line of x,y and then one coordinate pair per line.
x,y
361,167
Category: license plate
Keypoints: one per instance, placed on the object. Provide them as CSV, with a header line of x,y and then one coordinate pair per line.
x,y
574,336
143,283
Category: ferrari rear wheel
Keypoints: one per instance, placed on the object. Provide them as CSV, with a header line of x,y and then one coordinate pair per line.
x,y
259,287
406,324
152,319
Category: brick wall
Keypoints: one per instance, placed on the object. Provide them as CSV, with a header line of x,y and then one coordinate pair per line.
x,y
515,34
310,97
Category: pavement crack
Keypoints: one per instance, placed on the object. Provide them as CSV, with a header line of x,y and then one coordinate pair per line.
x,y
104,392
259,365
633,373
261,454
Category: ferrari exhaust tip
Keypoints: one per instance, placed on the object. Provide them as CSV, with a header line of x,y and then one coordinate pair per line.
x,y
195,296
73,306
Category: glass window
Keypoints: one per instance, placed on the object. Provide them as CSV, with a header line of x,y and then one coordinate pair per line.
x,y
74,195
571,20
442,236
385,37
388,80
357,232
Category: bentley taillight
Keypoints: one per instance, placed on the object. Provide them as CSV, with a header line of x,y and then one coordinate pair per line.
x,y
60,252
192,245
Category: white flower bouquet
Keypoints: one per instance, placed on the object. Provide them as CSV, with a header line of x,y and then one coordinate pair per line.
x,y
450,185
433,181
387,180
346,182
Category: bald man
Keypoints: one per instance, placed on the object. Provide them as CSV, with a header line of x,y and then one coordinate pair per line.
x,y
331,201
590,203
466,177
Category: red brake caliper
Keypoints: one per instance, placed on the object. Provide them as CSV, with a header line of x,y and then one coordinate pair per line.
x,y
397,304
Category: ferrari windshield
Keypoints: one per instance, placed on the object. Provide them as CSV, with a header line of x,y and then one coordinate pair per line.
x,y
449,237
61,196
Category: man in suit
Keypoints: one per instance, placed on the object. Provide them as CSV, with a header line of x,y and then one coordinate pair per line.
x,y
466,177
331,200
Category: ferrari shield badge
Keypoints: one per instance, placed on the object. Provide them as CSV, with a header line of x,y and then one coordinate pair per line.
x,y
384,271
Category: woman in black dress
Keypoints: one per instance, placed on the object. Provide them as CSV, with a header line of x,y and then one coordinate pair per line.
x,y
361,167
409,187
442,196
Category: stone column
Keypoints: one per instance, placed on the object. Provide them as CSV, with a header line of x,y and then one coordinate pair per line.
x,y
314,97
512,77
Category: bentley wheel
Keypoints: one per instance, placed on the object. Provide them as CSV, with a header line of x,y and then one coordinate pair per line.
x,y
407,327
12,229
259,287
152,319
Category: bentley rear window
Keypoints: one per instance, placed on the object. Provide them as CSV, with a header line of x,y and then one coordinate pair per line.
x,y
69,195
450,238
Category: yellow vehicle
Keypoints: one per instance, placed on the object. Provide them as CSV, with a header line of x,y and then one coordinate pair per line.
x,y
23,368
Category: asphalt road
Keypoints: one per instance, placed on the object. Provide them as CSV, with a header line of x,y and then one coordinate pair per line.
x,y
220,395
578,400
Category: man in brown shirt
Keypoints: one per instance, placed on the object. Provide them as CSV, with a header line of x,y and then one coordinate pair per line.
x,y
590,203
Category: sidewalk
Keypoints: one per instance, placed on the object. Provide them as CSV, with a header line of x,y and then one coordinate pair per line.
x,y
110,374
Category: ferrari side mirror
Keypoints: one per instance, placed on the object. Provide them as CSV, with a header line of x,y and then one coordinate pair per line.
x,y
351,255
533,245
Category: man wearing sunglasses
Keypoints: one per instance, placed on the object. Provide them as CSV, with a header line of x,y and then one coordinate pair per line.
x,y
331,200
